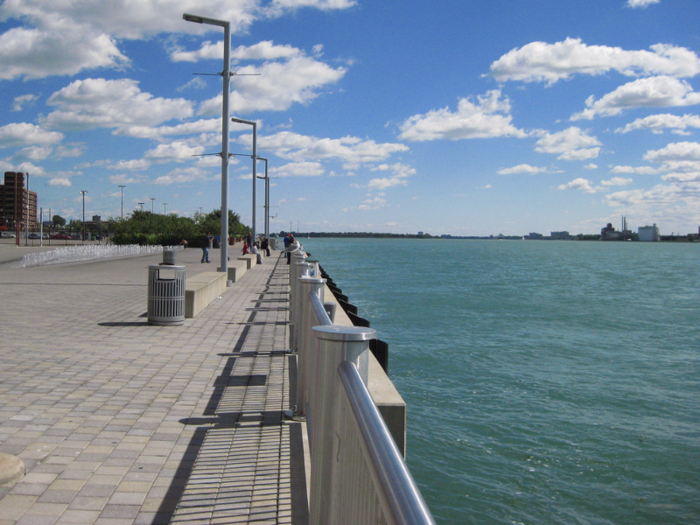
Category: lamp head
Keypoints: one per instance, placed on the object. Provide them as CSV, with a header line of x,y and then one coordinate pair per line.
x,y
193,18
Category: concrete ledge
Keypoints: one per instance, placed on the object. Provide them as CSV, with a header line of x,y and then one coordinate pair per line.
x,y
251,259
201,290
236,270
391,405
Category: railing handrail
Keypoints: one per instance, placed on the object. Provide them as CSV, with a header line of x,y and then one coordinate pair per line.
x,y
319,310
399,495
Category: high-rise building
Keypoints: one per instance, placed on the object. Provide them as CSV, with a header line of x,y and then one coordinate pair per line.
x,y
13,203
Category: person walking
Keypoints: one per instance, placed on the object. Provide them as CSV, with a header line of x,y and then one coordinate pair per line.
x,y
291,246
205,248
265,245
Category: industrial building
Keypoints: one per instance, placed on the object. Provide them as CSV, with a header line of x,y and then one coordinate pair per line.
x,y
14,197
649,233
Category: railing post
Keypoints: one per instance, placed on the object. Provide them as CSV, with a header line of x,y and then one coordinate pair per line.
x,y
300,269
305,357
334,344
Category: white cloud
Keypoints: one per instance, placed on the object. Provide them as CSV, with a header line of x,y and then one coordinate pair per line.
x,y
177,151
616,181
122,178
19,102
22,134
301,148
131,165
678,151
181,176
572,144
298,169
641,170
578,184
590,166
64,48
60,181
641,3
674,203
34,153
400,173
69,36
277,7
693,176
265,50
657,123
372,204
542,62
662,91
160,132
522,168
99,103
488,117
297,80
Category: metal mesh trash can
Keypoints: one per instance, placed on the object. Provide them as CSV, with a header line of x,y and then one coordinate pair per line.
x,y
166,296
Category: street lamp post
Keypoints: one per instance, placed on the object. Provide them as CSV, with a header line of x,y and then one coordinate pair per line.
x,y
226,75
122,186
267,200
83,192
164,205
141,203
152,201
255,136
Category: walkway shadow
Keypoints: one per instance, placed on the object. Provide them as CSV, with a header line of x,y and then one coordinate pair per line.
x,y
211,420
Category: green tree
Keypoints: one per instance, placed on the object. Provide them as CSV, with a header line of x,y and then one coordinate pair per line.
x,y
144,227
58,220
211,223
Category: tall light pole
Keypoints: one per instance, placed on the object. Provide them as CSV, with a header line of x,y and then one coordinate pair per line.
x,y
83,192
152,201
255,137
122,186
164,205
141,203
226,75
267,200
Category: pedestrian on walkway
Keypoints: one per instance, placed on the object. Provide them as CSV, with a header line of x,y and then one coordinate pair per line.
x,y
205,248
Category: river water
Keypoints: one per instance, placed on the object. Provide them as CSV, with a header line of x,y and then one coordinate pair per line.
x,y
546,382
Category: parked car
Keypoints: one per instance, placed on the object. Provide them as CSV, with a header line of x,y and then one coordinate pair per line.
x,y
61,236
34,236
8,235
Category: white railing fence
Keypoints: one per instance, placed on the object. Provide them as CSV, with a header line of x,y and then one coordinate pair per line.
x,y
358,475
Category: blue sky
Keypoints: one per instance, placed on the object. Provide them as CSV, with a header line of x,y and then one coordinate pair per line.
x,y
467,118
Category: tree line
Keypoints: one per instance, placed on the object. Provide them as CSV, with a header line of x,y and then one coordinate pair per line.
x,y
146,228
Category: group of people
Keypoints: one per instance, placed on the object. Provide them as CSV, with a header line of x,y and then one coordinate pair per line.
x,y
253,247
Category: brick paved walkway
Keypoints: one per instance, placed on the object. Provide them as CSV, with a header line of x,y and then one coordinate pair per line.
x,y
119,422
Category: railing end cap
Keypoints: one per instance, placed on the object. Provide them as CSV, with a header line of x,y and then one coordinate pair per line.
x,y
345,333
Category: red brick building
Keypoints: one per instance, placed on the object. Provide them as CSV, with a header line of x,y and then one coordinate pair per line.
x,y
13,203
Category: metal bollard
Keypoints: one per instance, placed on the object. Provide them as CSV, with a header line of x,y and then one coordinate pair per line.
x,y
334,344
305,339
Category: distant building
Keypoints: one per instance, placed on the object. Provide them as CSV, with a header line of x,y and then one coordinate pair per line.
x,y
13,203
533,235
609,234
560,235
649,233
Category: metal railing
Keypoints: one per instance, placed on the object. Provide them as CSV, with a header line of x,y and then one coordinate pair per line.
x,y
358,474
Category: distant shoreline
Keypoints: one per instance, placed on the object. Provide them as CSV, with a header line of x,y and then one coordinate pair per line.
x,y
580,237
